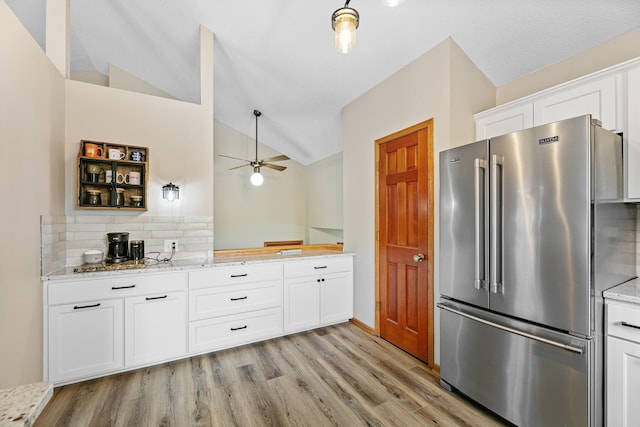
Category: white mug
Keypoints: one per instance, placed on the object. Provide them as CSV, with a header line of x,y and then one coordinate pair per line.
x,y
122,178
108,176
116,154
134,178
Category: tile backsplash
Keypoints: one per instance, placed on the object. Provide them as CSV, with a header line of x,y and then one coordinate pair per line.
x,y
65,239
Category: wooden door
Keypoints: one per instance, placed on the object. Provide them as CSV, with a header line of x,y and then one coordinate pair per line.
x,y
405,235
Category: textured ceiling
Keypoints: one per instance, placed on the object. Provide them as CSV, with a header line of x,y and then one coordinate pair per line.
x,y
278,56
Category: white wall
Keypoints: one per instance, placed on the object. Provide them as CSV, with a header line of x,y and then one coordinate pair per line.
x,y
32,139
324,193
426,88
246,216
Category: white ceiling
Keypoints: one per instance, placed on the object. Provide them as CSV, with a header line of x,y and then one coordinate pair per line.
x,y
278,56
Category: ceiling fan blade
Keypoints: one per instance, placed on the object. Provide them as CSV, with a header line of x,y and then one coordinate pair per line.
x,y
276,167
276,158
238,167
235,158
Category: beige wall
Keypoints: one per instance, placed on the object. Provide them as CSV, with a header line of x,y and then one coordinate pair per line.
x,y
245,216
32,138
442,84
43,118
324,193
179,136
613,52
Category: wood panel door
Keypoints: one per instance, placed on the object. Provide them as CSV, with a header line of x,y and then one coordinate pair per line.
x,y
405,239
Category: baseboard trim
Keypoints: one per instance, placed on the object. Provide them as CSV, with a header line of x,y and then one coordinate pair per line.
x,y
368,329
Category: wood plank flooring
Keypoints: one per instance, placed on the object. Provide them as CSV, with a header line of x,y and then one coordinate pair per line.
x,y
338,375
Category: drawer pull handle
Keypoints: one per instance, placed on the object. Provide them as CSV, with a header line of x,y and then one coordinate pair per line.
x,y
238,299
80,307
115,288
241,327
320,280
153,298
233,276
320,268
629,325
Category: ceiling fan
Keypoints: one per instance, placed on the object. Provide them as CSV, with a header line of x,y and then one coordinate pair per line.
x,y
256,177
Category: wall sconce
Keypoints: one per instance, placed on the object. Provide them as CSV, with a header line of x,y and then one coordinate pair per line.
x,y
344,22
170,192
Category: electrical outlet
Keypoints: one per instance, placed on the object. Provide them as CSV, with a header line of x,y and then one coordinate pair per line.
x,y
170,245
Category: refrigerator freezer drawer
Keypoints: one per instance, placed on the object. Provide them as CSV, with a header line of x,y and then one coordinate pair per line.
x,y
526,374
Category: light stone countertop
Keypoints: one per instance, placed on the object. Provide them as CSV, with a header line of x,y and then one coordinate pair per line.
x,y
21,405
628,292
196,264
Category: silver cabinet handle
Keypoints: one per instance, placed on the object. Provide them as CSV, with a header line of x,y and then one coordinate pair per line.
x,y
418,257
479,278
496,226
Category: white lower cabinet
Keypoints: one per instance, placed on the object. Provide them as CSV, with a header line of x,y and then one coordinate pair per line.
x,y
85,339
235,305
317,293
623,364
98,326
154,328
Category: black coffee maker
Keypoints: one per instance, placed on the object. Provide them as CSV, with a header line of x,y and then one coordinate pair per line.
x,y
118,247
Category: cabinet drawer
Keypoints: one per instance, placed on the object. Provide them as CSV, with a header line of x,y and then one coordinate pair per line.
x,y
319,266
114,287
222,276
227,331
226,300
623,321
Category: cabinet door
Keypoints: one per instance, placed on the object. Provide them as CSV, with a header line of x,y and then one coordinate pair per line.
x,y
503,121
623,382
301,303
598,98
632,138
85,339
336,298
155,328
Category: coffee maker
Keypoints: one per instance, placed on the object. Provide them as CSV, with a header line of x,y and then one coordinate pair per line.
x,y
118,247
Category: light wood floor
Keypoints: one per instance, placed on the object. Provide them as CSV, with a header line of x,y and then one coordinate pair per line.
x,y
338,375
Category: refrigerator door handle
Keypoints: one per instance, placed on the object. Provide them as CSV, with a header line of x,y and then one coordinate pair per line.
x,y
479,165
561,345
495,217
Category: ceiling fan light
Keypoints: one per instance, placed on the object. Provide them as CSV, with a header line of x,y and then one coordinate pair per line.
x,y
344,22
256,177
391,3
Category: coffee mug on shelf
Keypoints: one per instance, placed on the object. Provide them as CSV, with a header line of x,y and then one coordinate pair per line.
x,y
122,178
108,176
134,178
137,156
92,150
115,154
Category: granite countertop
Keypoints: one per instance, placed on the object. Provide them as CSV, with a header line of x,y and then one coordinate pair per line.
x,y
21,405
628,292
193,264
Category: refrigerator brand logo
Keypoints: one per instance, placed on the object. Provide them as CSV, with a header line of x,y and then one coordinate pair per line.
x,y
454,160
549,140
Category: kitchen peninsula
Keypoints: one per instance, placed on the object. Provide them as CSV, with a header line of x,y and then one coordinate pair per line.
x,y
100,323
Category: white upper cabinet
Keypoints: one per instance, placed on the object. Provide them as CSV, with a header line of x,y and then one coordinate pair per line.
x,y
598,98
499,122
611,96
632,136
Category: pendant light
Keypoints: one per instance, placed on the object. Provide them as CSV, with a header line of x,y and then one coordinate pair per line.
x,y
344,22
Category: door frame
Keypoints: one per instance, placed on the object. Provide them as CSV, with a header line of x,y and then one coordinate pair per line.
x,y
428,125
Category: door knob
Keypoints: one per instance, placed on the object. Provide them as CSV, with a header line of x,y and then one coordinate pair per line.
x,y
418,257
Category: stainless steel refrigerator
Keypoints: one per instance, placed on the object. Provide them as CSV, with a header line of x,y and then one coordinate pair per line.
x,y
532,230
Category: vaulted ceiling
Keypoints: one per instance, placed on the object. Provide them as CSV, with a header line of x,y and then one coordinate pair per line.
x,y
278,55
